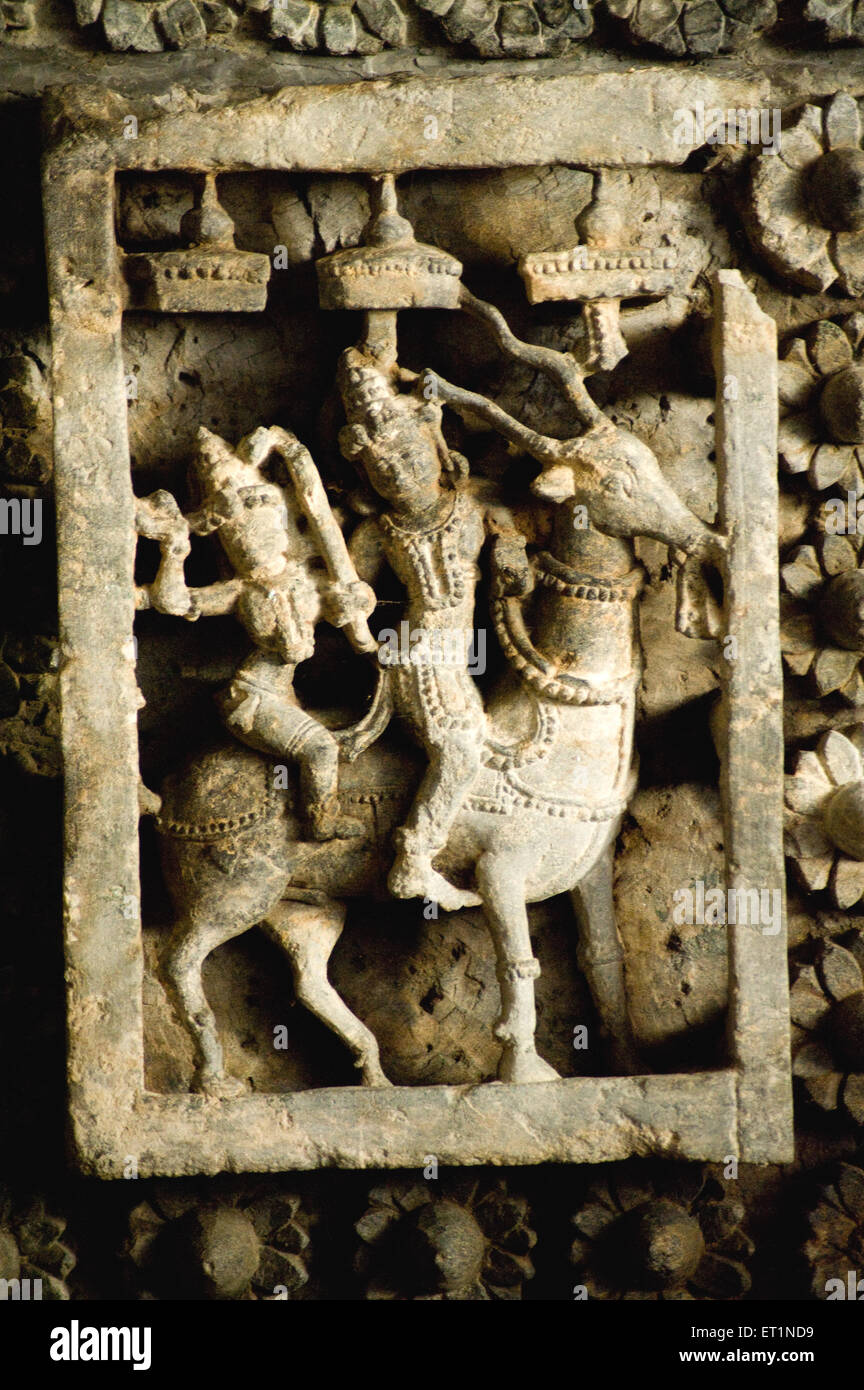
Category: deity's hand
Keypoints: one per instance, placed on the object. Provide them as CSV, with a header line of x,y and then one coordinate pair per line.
x,y
513,575
347,603
158,517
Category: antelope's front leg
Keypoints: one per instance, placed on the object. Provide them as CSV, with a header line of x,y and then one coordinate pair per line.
x,y
502,888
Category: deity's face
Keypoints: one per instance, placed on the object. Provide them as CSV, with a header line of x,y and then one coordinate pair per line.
x,y
401,459
254,534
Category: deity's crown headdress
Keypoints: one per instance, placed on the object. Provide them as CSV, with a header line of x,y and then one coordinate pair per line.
x,y
369,395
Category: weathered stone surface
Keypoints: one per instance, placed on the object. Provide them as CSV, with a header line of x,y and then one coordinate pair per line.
x,y
131,25
745,364
804,209
287,860
182,24
675,839
426,988
564,119
580,1120
699,30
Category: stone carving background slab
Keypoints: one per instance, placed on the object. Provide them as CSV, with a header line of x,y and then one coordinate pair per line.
x,y
742,1108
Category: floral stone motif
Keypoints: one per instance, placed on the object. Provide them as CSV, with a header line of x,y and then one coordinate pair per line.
x,y
822,630
364,27
805,208
470,1243
836,1242
514,28
825,818
671,1237
249,1244
827,1005
693,28
821,387
31,1248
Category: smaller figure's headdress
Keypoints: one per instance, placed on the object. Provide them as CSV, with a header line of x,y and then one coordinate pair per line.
x,y
219,467
224,475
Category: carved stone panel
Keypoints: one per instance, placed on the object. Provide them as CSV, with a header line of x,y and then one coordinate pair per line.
x,y
478,576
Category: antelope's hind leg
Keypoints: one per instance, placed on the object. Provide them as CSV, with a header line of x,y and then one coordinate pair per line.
x,y
601,960
307,932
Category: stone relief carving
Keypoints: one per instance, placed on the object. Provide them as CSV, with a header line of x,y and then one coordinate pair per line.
x,y
494,28
687,29
676,1235
804,210
822,424
245,1243
144,27
821,627
25,406
470,1242
495,777
31,1248
516,786
840,23
15,16
425,988
692,28
835,1223
362,27
827,1000
514,28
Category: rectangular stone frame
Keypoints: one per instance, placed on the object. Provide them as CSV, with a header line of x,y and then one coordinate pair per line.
x,y
742,1110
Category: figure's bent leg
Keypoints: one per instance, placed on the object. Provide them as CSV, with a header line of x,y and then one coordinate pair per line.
x,y
318,760
502,884
601,960
285,731
453,767
308,932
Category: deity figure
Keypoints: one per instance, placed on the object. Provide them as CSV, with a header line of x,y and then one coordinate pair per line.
x,y
279,591
431,535
524,791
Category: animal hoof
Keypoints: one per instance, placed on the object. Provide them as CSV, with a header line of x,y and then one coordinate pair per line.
x,y
524,1068
375,1078
371,1073
220,1087
449,898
